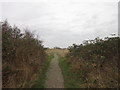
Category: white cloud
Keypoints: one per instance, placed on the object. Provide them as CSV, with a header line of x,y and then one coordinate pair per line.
x,y
61,23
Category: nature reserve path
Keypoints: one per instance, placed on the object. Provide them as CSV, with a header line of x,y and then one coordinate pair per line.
x,y
54,77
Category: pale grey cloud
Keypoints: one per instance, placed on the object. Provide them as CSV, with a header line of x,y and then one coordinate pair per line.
x,y
64,22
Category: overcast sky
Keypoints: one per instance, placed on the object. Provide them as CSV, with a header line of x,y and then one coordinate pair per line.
x,y
63,22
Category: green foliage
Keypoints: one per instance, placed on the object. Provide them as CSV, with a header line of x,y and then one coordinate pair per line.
x,y
103,49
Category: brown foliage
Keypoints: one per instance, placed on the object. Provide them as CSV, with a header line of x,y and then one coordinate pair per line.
x,y
96,62
22,56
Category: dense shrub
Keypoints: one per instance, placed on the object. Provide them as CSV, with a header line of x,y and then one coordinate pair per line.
x,y
98,59
22,56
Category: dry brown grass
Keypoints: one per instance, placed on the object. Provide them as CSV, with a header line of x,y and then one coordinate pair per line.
x,y
61,52
95,76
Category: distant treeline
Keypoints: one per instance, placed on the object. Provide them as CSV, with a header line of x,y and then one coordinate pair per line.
x,y
96,62
22,57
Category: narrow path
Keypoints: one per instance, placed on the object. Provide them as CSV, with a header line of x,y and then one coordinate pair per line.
x,y
54,78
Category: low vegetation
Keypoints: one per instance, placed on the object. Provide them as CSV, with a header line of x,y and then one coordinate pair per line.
x,y
22,57
95,62
70,79
42,73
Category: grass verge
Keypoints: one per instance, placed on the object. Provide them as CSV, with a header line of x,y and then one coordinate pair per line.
x,y
42,73
71,80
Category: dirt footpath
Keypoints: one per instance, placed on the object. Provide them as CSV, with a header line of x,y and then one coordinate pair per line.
x,y
54,77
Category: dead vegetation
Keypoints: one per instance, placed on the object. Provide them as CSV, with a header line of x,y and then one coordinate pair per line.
x,y
96,62
22,57
61,52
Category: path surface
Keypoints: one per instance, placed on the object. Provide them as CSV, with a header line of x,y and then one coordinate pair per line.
x,y
54,78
